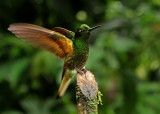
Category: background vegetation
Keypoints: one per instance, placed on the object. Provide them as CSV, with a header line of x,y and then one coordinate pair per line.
x,y
124,56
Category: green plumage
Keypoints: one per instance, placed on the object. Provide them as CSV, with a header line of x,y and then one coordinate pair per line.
x,y
78,59
80,53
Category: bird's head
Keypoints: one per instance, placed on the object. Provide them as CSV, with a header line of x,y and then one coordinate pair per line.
x,y
84,30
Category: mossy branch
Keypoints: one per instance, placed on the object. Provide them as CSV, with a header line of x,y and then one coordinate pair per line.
x,y
87,95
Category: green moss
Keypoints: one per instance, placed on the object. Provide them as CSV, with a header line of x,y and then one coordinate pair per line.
x,y
99,96
89,104
92,106
97,100
77,95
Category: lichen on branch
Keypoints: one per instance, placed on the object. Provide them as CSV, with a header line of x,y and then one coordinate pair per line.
x,y
87,94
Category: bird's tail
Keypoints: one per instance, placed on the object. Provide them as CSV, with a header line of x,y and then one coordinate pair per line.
x,y
66,78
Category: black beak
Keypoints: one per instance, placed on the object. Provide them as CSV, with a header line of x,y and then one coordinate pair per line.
x,y
94,27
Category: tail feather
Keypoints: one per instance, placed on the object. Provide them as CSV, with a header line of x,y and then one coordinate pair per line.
x,y
63,87
66,78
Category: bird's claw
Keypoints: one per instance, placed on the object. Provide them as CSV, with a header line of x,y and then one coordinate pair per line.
x,y
82,71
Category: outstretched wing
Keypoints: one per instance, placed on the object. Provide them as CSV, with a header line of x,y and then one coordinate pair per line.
x,y
65,32
50,40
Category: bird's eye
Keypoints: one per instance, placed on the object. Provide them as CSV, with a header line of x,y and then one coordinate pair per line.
x,y
80,30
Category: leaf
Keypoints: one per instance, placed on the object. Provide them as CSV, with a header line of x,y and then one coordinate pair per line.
x,y
11,71
44,62
35,106
124,44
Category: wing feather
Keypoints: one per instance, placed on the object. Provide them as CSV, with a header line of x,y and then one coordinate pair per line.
x,y
64,31
47,39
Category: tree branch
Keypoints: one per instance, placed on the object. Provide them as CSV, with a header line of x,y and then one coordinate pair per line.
x,y
87,94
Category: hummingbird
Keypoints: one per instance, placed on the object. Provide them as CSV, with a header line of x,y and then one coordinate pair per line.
x,y
73,47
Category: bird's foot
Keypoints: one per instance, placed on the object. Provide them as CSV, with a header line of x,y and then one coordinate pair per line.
x,y
82,71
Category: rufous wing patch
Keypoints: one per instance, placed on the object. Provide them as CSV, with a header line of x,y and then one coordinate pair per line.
x,y
41,37
68,49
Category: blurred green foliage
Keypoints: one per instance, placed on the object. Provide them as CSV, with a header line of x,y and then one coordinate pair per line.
x,y
124,56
